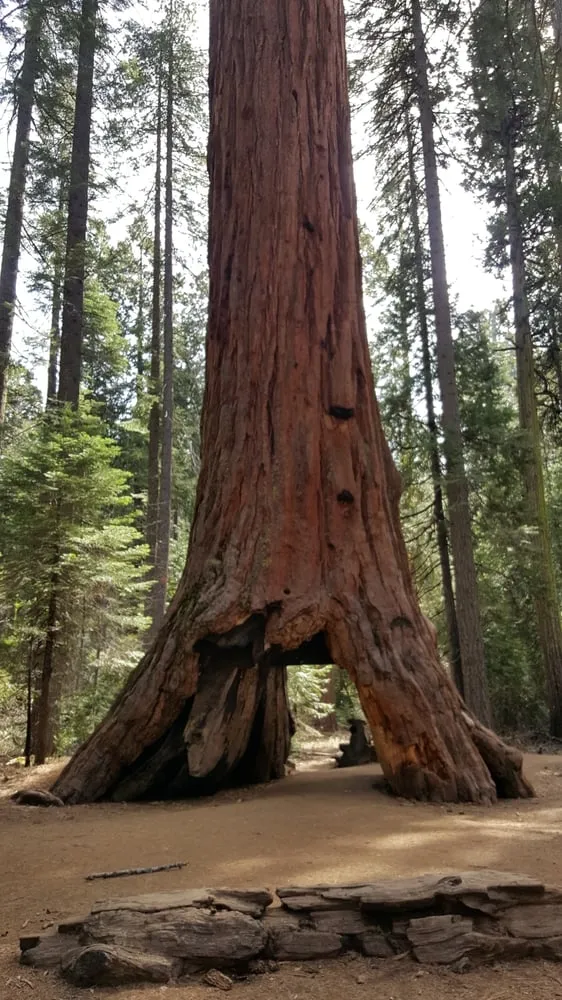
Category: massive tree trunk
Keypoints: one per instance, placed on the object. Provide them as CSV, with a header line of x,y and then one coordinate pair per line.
x,y
296,553
475,682
78,196
547,608
16,191
434,457
160,592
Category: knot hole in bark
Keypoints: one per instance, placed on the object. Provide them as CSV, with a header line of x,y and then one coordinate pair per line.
x,y
346,497
342,412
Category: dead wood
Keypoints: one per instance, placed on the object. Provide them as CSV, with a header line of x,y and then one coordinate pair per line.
x,y
123,872
470,917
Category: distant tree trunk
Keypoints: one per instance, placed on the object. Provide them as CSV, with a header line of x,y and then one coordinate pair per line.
x,y
42,732
547,608
139,327
77,224
16,191
548,156
475,684
155,388
556,19
56,306
54,337
296,553
29,705
329,723
165,490
435,462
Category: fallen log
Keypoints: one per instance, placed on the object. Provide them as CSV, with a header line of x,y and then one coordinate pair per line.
x,y
469,918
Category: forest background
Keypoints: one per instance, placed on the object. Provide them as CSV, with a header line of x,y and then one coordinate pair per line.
x,y
96,499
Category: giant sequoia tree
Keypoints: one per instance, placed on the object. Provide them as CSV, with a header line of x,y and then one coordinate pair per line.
x,y
296,553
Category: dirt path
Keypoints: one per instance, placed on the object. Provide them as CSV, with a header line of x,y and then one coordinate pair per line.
x,y
318,825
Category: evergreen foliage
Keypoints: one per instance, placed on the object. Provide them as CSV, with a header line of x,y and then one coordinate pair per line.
x,y
78,489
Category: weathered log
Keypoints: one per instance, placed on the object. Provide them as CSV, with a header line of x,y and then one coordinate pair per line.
x,y
474,917
292,940
106,965
195,934
423,892
296,552
49,951
217,979
537,923
375,944
28,941
252,902
340,921
446,939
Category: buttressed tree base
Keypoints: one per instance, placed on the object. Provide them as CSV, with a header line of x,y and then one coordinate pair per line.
x,y
296,552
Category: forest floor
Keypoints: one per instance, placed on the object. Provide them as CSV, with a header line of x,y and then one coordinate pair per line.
x,y
319,825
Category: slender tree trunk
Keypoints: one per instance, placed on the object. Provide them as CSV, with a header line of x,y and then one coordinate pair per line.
x,y
56,307
475,684
556,353
296,553
140,329
165,490
403,373
548,155
547,608
44,712
28,706
329,723
54,338
556,19
155,388
78,195
16,191
434,459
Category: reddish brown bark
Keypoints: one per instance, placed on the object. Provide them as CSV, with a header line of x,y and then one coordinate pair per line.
x,y
296,553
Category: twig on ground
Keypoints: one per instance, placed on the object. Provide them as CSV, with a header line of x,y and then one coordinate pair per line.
x,y
135,871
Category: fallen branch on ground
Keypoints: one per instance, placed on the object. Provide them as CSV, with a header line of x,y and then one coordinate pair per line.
x,y
121,873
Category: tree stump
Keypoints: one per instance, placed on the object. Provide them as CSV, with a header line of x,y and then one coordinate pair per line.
x,y
359,750
472,917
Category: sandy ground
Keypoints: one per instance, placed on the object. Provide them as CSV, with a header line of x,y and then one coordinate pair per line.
x,y
317,825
